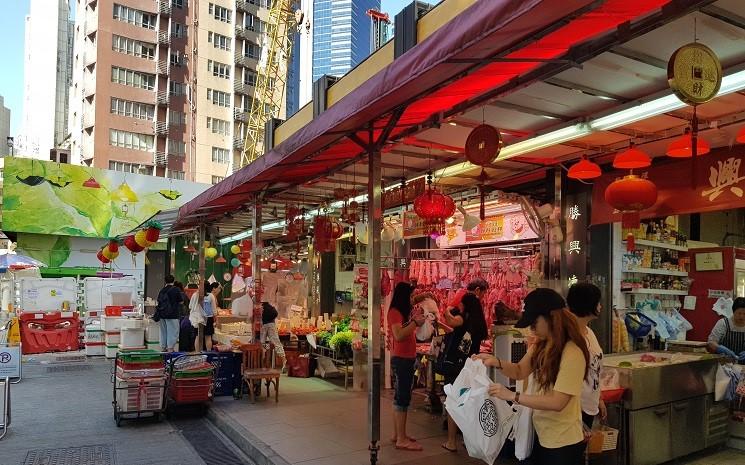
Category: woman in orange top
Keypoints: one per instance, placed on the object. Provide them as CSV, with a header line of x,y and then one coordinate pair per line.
x,y
402,324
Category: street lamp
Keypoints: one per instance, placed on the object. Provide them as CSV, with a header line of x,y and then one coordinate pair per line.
x,y
11,145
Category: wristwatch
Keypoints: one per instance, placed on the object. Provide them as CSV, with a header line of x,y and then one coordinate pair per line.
x,y
517,398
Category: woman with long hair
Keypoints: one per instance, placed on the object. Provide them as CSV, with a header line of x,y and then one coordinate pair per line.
x,y
469,330
556,366
210,307
402,324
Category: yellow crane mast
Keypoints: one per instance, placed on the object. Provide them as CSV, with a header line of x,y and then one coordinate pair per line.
x,y
271,76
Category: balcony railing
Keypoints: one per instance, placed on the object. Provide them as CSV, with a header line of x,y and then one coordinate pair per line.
x,y
163,67
164,7
89,119
91,25
161,128
238,143
240,115
163,98
164,38
160,159
243,88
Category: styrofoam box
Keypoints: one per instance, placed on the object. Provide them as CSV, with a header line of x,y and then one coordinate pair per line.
x,y
111,323
152,331
95,350
134,398
134,323
132,338
94,333
111,351
153,346
113,338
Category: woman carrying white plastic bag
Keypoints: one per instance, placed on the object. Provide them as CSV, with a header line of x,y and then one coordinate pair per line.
x,y
468,399
558,362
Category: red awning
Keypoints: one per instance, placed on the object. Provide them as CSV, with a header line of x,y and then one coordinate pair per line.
x,y
432,77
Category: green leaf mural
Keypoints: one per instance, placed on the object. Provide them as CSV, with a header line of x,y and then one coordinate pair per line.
x,y
52,198
51,250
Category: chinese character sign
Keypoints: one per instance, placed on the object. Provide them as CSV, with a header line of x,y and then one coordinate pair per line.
x,y
725,175
575,218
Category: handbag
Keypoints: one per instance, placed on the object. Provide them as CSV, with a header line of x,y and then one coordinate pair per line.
x,y
454,354
523,432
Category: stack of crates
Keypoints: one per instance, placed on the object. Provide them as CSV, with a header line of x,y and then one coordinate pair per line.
x,y
191,380
140,381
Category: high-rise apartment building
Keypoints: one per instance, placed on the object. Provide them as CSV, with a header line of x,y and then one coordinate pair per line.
x,y
335,36
4,126
47,78
162,86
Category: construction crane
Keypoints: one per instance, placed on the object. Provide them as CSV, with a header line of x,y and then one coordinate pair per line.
x,y
271,75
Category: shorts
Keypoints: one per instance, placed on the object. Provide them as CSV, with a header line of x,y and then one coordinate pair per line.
x,y
403,382
567,455
209,326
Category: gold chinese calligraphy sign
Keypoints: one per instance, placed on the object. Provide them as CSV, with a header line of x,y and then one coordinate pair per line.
x,y
694,73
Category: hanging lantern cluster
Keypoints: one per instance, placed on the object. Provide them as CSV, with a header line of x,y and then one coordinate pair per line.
x,y
143,238
294,222
109,252
630,195
241,262
682,147
326,230
584,170
434,208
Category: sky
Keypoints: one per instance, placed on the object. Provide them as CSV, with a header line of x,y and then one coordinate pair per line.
x,y
12,18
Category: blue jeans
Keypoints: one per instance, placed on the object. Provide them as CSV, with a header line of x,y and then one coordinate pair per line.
x,y
403,382
169,329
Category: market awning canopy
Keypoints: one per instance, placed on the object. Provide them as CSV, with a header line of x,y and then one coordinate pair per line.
x,y
525,66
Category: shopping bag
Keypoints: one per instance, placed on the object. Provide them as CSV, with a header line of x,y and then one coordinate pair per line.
x,y
523,433
468,400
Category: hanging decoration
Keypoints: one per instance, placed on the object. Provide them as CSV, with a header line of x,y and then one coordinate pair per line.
x,y
102,258
210,253
584,169
326,231
131,244
482,147
111,250
92,183
632,159
152,231
630,195
682,147
220,259
434,208
741,136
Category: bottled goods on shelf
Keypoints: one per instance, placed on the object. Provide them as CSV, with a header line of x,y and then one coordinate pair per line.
x,y
659,231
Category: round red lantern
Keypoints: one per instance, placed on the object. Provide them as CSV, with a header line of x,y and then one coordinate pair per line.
x,y
630,195
113,246
434,208
101,258
152,233
132,245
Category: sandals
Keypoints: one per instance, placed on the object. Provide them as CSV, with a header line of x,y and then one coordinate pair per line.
x,y
411,446
394,441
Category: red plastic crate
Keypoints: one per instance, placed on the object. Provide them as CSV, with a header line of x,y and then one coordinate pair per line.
x,y
190,390
138,365
49,332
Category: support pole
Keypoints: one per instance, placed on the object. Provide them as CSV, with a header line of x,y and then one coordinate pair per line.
x,y
374,349
256,257
202,270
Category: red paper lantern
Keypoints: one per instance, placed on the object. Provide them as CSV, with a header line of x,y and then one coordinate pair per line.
x,y
113,246
101,258
632,159
152,234
132,245
630,195
584,169
741,136
682,147
434,208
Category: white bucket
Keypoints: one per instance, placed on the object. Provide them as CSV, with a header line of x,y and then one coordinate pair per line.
x,y
136,323
111,323
132,338
111,351
152,331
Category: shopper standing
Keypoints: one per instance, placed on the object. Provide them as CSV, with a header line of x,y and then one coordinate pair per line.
x,y
186,330
269,332
728,335
210,307
402,324
469,330
167,314
558,363
584,302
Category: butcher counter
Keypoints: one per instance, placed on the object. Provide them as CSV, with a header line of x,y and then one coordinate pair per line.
x,y
668,409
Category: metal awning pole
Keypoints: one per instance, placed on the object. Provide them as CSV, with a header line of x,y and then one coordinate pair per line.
x,y
202,271
374,347
256,255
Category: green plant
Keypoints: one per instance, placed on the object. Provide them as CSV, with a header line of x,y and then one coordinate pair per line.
x,y
323,338
341,339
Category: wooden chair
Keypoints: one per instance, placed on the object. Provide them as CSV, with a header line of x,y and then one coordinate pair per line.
x,y
257,367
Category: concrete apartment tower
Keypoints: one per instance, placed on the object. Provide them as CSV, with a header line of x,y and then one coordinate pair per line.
x,y
47,78
160,86
4,127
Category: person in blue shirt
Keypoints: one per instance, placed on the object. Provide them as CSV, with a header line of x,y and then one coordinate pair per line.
x,y
210,307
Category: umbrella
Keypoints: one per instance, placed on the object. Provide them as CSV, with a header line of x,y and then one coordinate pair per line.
x,y
12,260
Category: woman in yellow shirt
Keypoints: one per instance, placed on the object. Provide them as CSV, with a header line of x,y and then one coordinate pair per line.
x,y
556,366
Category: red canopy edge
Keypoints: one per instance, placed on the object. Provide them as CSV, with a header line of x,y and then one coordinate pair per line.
x,y
481,31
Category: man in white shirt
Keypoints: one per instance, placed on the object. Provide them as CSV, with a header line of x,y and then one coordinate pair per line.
x,y
584,302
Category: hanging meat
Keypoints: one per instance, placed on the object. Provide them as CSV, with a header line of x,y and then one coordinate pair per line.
x,y
385,284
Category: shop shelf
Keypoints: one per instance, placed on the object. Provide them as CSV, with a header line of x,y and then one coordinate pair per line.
x,y
656,271
660,245
656,291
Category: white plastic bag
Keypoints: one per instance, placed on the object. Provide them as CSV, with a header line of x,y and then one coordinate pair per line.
x,y
524,433
196,314
468,400
722,383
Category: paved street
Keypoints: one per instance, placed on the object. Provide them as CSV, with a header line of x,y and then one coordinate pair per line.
x,y
68,405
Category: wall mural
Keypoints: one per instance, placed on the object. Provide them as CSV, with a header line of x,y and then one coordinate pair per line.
x,y
55,198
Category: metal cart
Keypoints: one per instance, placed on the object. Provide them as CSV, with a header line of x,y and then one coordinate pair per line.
x,y
140,392
191,381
